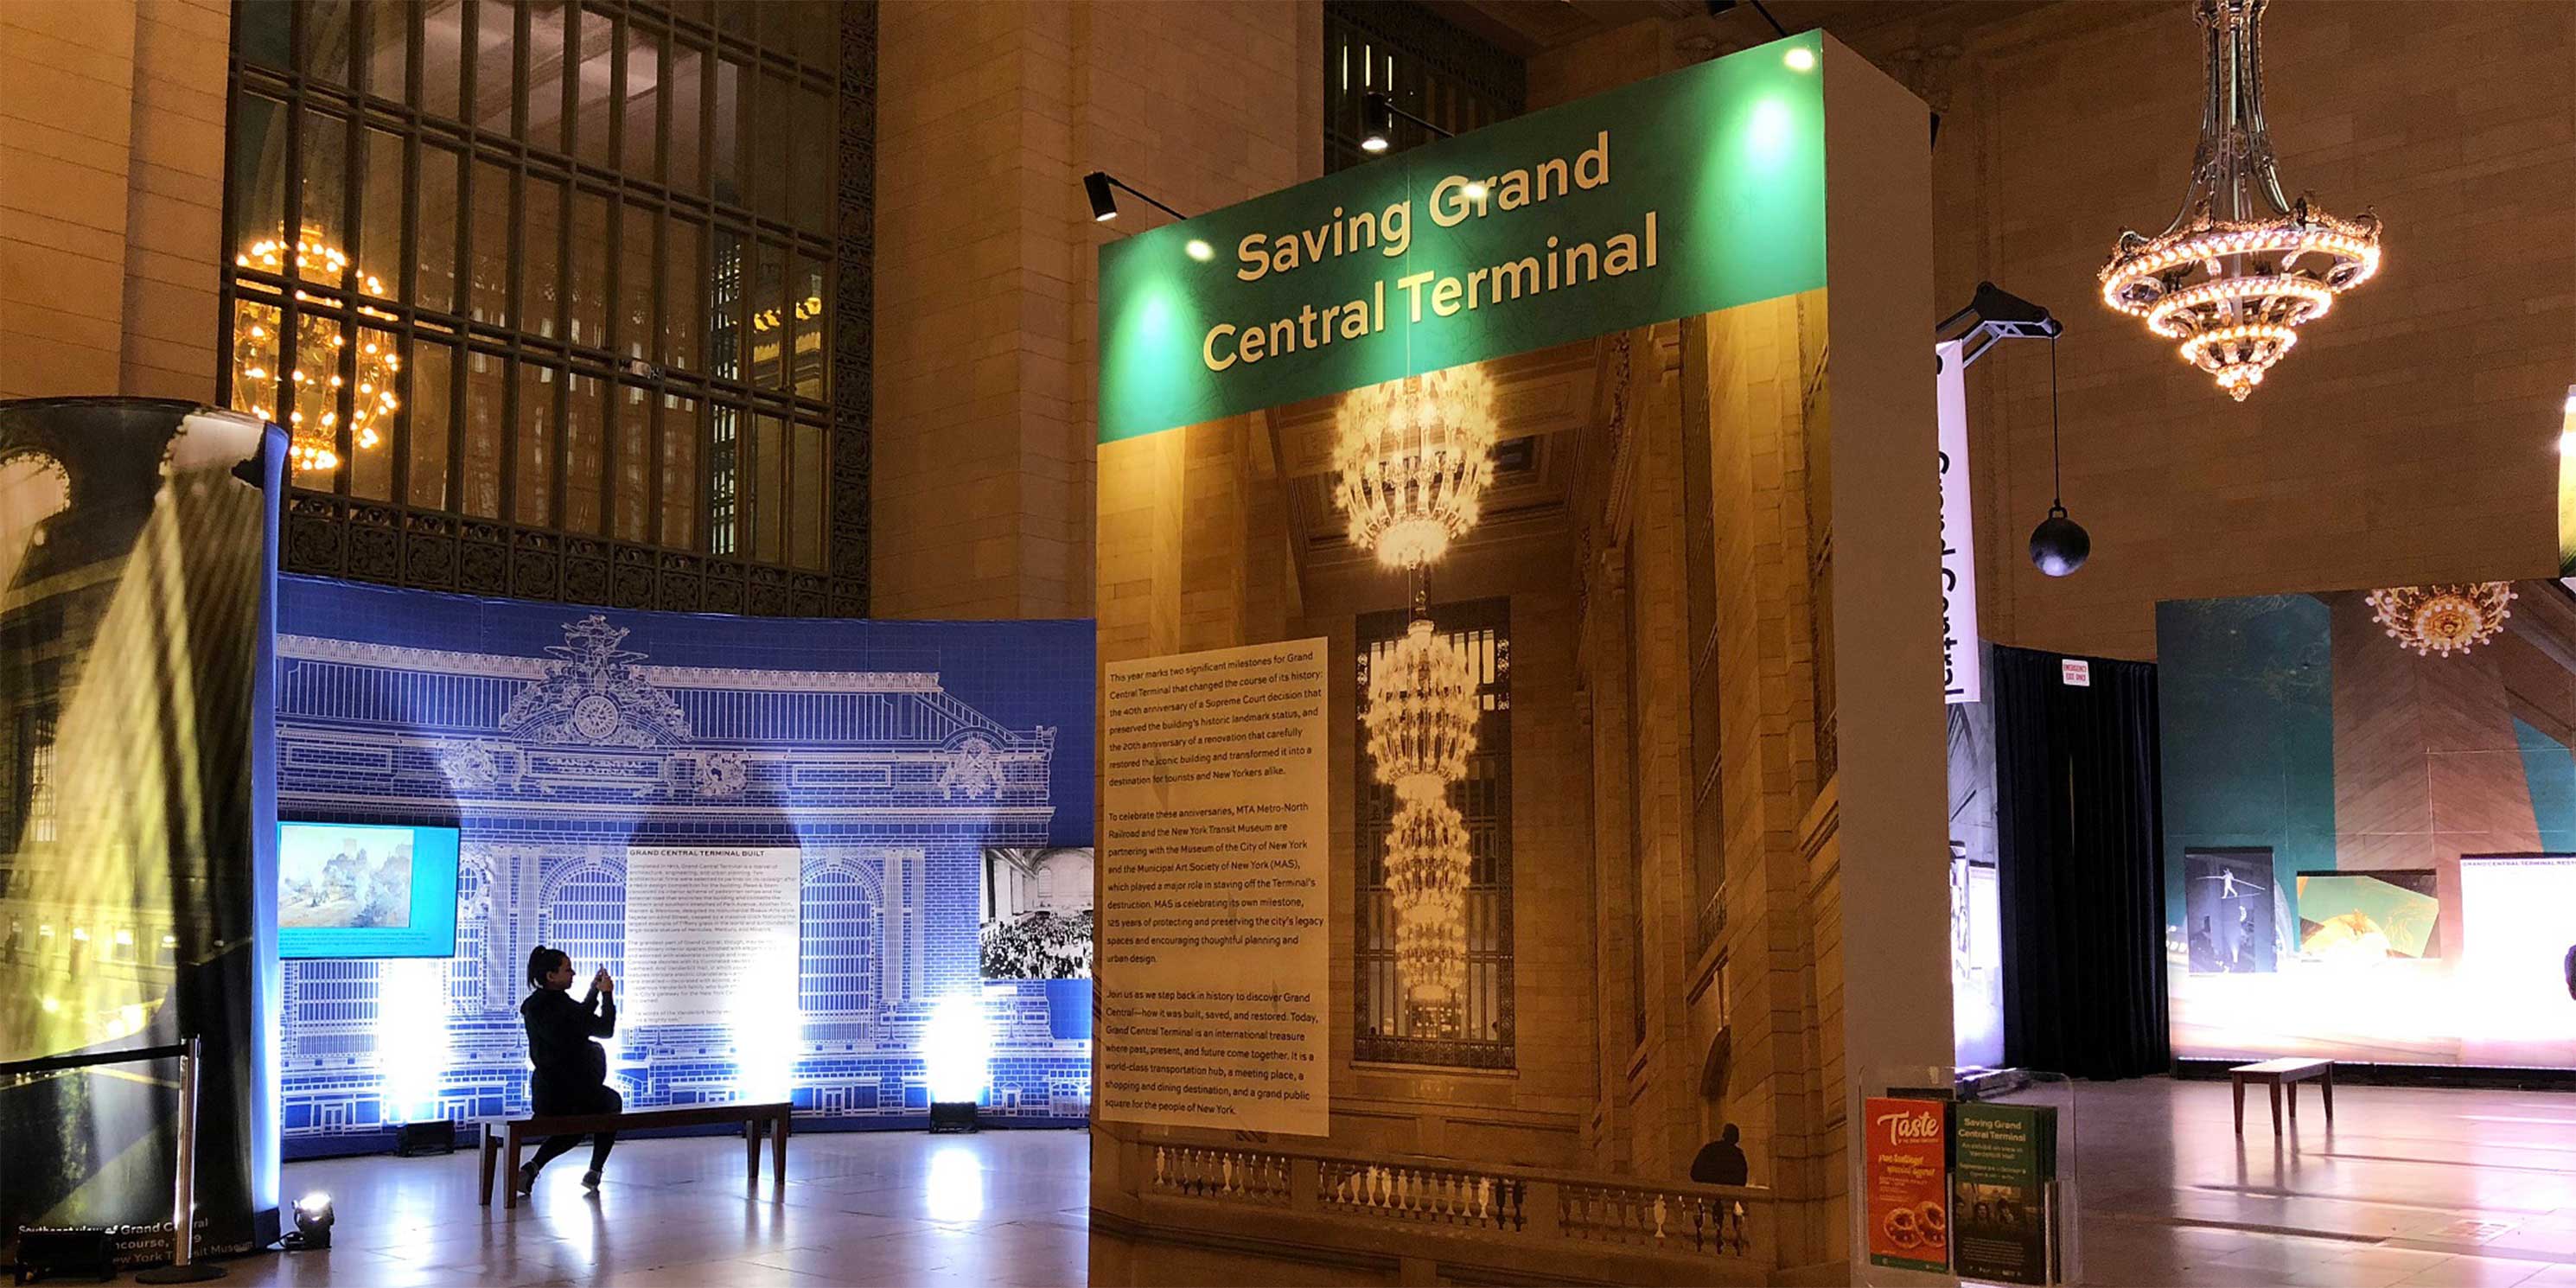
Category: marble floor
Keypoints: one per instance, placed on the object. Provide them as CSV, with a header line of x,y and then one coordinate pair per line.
x,y
2420,1188
859,1208
2414,1187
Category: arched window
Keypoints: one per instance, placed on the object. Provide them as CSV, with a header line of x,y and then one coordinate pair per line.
x,y
837,982
586,917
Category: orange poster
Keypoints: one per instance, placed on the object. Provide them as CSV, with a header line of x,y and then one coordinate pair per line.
x,y
1906,1178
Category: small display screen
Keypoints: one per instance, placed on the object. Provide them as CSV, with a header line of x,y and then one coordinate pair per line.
x,y
352,890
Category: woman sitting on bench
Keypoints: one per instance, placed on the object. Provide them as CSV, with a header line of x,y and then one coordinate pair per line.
x,y
571,1070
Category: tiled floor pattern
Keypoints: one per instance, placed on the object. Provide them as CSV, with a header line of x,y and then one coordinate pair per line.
x,y
2412,1188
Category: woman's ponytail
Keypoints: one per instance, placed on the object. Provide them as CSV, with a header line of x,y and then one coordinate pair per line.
x,y
541,962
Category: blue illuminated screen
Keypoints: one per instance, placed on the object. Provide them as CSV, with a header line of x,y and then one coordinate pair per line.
x,y
351,890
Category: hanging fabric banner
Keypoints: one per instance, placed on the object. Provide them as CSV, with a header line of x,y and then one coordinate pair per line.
x,y
1961,681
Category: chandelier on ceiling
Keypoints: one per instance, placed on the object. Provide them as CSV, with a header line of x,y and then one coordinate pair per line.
x,y
1414,456
263,377
2444,619
2241,267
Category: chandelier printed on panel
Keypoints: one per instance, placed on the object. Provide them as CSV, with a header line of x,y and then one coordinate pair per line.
x,y
2242,266
2444,618
1413,458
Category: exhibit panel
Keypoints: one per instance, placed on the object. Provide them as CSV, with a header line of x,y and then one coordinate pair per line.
x,y
2370,804
136,542
778,836
1563,443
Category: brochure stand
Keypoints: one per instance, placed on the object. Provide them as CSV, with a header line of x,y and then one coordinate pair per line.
x,y
1962,1177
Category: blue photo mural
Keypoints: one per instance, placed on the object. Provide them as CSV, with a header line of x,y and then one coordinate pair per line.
x,y
891,755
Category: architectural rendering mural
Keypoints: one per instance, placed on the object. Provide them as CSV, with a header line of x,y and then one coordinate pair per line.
x,y
891,755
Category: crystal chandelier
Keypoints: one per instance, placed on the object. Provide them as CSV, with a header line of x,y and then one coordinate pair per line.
x,y
1426,873
1426,857
2444,619
1431,951
1413,456
1422,711
2241,268
313,369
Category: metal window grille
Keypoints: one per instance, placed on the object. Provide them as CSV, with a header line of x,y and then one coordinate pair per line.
x,y
565,219
1428,68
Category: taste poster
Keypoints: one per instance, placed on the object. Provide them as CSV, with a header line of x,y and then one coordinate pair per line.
x,y
1905,1177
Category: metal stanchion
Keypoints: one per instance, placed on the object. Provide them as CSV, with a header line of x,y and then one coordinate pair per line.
x,y
184,1268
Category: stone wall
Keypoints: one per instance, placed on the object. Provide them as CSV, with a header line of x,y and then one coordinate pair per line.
x,y
111,196
987,263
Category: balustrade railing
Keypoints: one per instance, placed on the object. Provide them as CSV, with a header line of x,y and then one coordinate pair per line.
x,y
1234,1175
1521,1207
1428,1195
1664,1220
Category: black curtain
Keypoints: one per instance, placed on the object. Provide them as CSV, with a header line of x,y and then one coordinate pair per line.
x,y
2079,866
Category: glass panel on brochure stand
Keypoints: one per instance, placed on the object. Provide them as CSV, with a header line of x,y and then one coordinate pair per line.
x,y
1963,1177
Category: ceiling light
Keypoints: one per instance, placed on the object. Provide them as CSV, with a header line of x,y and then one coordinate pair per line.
x,y
1800,59
2443,619
2241,267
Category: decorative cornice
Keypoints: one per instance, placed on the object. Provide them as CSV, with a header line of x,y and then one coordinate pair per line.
x,y
501,666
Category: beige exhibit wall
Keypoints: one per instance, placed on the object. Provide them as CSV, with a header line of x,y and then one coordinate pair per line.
x,y
1703,551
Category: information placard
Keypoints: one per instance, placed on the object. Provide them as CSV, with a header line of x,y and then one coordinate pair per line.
x,y
1906,1174
2006,1157
1215,954
710,933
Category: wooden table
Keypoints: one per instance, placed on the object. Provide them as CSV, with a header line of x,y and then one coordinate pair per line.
x,y
2279,1074
768,1120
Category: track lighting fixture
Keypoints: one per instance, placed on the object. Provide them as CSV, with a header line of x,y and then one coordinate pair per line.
x,y
1378,115
1104,203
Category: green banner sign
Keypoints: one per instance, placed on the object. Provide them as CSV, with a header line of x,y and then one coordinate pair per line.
x,y
1692,192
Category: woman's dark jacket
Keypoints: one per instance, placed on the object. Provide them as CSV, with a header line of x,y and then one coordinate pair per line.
x,y
559,1042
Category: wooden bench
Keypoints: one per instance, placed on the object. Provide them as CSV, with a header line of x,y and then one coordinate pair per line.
x,y
757,1120
2278,1074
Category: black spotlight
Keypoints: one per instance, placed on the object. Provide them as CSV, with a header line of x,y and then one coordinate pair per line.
x,y
1377,122
313,1220
2059,545
1104,203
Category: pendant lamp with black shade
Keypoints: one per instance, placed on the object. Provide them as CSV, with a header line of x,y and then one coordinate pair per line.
x,y
2059,545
